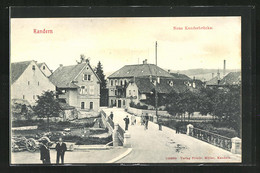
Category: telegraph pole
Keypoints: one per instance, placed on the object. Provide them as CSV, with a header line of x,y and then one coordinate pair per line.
x,y
156,94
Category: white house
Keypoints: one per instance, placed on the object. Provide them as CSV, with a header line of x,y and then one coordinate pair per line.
x,y
27,81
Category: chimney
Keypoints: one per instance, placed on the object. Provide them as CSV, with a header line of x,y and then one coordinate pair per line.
x,y
145,61
61,65
212,75
178,73
193,77
169,71
224,70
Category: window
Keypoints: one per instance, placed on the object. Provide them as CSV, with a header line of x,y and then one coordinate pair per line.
x,y
111,82
38,83
33,67
121,83
115,92
82,105
87,77
124,102
91,89
28,82
133,92
23,96
129,92
83,90
116,82
43,67
91,105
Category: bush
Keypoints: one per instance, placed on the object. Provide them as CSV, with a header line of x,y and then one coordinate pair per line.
x,y
94,140
21,123
221,128
138,106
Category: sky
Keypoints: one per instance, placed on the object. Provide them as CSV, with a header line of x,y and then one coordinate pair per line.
x,y
116,42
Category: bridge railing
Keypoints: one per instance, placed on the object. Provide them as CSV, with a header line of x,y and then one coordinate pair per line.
x,y
110,122
120,133
111,125
212,138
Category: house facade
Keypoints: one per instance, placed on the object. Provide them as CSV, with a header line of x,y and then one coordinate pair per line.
x,y
119,81
77,85
27,81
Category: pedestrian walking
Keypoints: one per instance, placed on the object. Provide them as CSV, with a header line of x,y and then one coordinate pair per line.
x,y
142,119
60,148
45,151
126,119
133,120
111,115
146,121
177,128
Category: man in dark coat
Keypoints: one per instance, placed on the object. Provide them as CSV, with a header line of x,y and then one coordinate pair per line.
x,y
146,117
45,152
111,115
60,148
126,119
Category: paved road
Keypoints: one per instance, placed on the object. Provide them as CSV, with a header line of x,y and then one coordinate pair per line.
x,y
80,157
154,146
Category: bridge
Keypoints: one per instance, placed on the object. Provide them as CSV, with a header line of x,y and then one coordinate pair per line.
x,y
154,146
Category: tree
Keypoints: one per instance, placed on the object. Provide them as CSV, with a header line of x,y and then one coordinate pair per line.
x,y
83,59
21,110
205,101
99,71
47,106
227,106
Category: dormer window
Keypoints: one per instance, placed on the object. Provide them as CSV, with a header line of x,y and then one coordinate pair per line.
x,y
33,67
43,67
171,83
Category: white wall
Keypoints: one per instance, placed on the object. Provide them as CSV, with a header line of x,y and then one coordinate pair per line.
x,y
30,91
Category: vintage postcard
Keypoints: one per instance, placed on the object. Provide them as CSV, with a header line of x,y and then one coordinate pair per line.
x,y
125,90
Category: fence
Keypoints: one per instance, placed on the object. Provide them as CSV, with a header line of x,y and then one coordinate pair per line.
x,y
212,138
120,133
109,123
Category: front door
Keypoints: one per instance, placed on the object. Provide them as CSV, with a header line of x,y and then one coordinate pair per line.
x,y
91,105
82,105
119,103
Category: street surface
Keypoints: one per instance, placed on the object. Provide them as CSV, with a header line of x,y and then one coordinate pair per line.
x,y
154,146
81,157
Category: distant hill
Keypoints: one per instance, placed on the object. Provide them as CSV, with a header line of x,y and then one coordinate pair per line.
x,y
204,74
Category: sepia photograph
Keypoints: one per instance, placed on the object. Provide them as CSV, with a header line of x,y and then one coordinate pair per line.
x,y
116,90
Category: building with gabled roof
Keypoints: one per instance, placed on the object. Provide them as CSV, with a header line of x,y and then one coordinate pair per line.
x,y
118,81
27,81
180,76
232,78
77,85
44,68
142,88
132,80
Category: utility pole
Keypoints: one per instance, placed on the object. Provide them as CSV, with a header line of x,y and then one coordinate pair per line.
x,y
156,93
